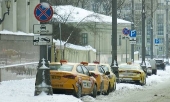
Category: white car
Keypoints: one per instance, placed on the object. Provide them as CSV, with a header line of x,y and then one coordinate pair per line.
x,y
148,66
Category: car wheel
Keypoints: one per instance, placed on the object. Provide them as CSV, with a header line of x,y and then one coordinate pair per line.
x,y
108,90
143,82
101,89
114,87
94,92
79,91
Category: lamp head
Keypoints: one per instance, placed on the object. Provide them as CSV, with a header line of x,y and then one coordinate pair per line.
x,y
8,4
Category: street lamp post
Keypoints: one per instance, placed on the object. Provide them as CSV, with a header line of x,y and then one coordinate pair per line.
x,y
114,64
8,3
143,64
167,31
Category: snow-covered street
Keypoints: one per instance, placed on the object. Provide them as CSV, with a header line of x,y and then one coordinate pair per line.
x,y
23,91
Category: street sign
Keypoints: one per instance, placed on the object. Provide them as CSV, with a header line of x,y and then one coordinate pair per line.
x,y
132,40
42,29
42,40
132,33
157,41
125,31
43,12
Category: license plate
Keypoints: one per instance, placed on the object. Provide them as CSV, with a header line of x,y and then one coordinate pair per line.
x,y
127,78
56,77
58,85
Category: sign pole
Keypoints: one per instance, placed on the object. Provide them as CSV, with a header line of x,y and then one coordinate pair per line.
x,y
43,12
114,64
132,27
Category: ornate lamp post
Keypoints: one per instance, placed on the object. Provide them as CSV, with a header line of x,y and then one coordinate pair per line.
x,y
8,4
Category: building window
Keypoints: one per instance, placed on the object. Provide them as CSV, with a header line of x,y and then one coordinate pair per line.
x,y
160,24
149,26
138,6
139,32
160,49
161,40
160,6
148,40
138,48
84,38
148,48
138,40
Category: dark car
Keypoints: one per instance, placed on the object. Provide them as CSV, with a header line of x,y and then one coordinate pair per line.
x,y
160,64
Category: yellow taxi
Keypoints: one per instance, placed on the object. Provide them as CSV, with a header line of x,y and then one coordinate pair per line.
x,y
112,76
72,78
102,77
132,72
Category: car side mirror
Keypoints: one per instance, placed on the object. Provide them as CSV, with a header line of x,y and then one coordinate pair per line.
x,y
91,74
107,73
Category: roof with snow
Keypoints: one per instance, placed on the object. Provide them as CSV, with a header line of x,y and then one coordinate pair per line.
x,y
69,45
70,13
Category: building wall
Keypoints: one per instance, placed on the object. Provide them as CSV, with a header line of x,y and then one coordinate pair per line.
x,y
100,36
21,16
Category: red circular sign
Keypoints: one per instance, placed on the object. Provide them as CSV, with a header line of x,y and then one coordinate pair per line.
x,y
43,12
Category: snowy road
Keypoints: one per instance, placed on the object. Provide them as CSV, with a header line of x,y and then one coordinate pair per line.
x,y
157,89
155,93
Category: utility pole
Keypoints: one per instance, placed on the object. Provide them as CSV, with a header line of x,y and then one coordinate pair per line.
x,y
167,42
143,64
151,36
132,27
114,64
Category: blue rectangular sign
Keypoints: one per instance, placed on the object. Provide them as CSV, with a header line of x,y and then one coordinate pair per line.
x,y
156,41
132,33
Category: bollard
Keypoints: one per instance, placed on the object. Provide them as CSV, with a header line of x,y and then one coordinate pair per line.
x,y
43,82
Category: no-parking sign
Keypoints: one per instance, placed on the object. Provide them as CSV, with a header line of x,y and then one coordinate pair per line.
x,y
125,31
43,12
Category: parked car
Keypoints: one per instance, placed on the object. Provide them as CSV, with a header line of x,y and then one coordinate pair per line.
x,y
148,67
101,76
160,64
73,78
112,76
153,65
132,72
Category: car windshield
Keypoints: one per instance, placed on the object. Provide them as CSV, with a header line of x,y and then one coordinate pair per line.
x,y
128,67
105,68
61,67
90,67
158,61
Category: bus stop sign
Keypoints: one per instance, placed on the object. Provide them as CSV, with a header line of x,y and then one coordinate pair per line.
x,y
43,12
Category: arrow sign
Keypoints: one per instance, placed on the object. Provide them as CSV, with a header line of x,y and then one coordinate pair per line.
x,y
42,40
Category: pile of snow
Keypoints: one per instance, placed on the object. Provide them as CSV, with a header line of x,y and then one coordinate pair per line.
x,y
70,13
16,33
68,45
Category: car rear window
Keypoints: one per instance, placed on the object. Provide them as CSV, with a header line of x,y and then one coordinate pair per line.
x,y
128,67
61,67
90,67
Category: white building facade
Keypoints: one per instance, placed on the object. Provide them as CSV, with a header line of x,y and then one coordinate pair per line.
x,y
21,15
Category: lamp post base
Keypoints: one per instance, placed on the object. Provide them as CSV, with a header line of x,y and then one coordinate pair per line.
x,y
116,72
